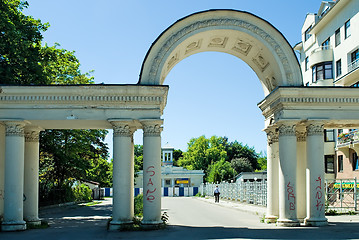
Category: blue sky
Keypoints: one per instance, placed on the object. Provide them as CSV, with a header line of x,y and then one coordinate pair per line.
x,y
210,93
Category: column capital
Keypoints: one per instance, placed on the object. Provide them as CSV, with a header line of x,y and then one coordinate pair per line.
x,y
301,136
315,128
272,134
123,127
152,127
32,134
287,129
14,128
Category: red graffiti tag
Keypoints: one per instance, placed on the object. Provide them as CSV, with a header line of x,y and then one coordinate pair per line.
x,y
148,170
319,195
149,196
291,196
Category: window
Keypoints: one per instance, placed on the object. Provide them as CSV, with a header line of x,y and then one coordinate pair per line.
x,y
306,63
329,135
354,55
355,162
340,163
338,66
347,29
329,163
322,71
326,44
306,34
168,182
337,37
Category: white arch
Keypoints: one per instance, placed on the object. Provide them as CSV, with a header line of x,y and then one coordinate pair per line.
x,y
238,33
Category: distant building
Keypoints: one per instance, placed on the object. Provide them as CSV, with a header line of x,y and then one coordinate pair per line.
x,y
329,56
176,181
251,176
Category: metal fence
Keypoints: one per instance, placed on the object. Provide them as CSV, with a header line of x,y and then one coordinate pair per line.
x,y
341,194
249,192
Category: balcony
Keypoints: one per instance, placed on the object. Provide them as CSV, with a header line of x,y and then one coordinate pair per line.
x,y
345,139
353,65
321,54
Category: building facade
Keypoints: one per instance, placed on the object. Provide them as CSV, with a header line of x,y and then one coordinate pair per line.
x,y
329,56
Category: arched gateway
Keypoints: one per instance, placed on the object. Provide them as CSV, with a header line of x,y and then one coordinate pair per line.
x,y
295,118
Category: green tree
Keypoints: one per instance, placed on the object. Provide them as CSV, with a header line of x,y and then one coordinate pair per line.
x,y
177,154
241,165
20,45
220,171
237,150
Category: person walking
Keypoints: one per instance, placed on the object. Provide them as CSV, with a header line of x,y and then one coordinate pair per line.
x,y
216,194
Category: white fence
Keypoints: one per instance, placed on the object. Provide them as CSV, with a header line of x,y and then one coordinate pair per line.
x,y
249,192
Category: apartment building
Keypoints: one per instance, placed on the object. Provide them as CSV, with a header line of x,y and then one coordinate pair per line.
x,y
329,56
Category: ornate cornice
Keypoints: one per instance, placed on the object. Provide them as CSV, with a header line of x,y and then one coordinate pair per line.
x,y
155,69
287,130
315,129
14,129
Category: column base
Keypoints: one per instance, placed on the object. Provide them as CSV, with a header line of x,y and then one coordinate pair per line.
x,y
271,219
150,225
34,222
119,225
13,226
316,222
288,222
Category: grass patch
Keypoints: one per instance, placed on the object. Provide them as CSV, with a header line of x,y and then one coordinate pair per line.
x,y
43,225
92,203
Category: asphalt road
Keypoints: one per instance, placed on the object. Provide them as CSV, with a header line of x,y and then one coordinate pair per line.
x,y
189,218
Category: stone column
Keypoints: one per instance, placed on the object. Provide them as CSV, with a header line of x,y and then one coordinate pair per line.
x,y
152,172
272,175
301,172
315,176
31,176
287,175
14,177
123,179
2,168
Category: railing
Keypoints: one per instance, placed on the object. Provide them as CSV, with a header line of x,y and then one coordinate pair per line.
x,y
248,192
341,194
345,138
321,48
353,65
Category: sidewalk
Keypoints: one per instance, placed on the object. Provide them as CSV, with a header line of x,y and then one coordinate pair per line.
x,y
261,210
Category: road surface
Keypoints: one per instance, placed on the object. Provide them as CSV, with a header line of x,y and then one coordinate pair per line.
x,y
189,218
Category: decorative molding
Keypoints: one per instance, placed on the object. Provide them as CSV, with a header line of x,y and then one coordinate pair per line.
x,y
272,135
219,22
14,129
287,130
315,129
122,131
301,136
152,130
218,42
194,46
260,61
79,98
242,47
32,136
172,61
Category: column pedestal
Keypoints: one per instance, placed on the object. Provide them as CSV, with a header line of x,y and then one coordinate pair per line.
x,y
315,176
151,173
272,176
123,180
31,177
287,176
14,177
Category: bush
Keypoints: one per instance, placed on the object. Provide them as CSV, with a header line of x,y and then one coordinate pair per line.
x,y
82,193
139,205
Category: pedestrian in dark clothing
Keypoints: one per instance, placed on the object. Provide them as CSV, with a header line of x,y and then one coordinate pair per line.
x,y
216,194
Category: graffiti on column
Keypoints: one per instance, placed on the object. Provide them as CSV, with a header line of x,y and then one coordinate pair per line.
x,y
291,196
319,194
150,190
